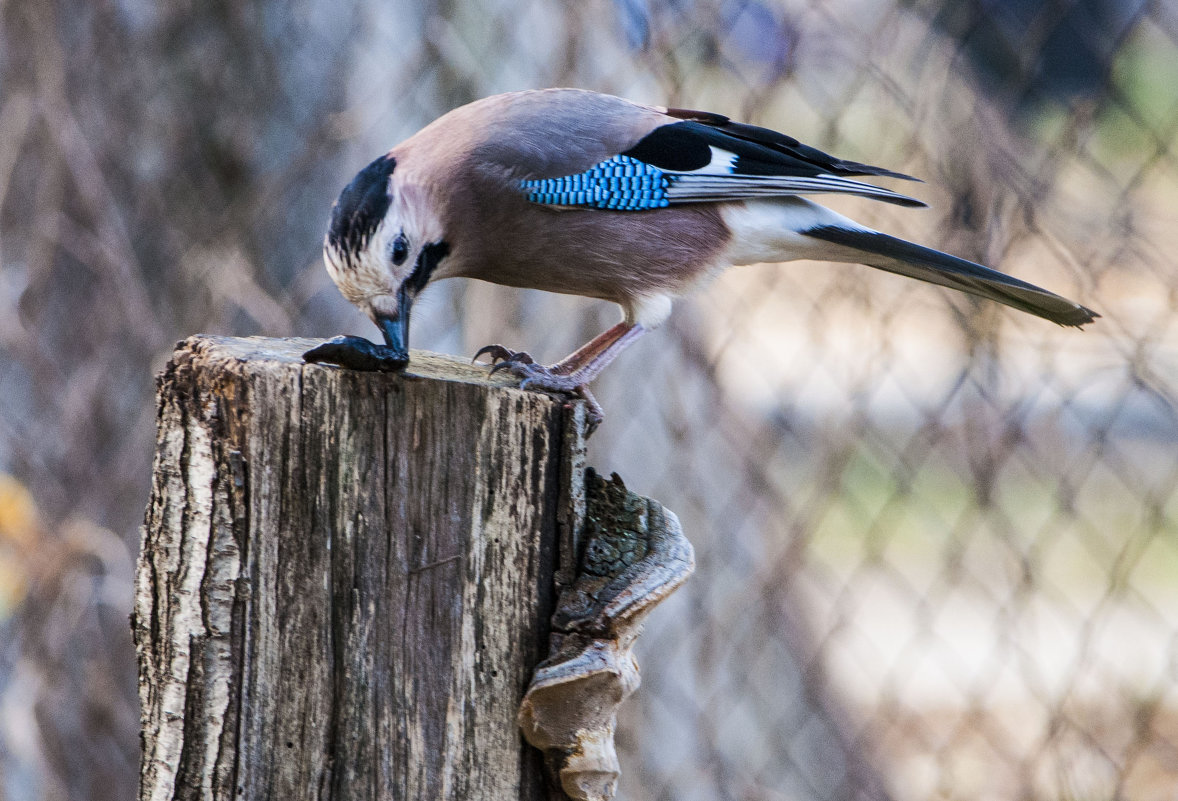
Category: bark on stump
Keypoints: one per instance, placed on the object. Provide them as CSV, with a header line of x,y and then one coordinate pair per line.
x,y
346,577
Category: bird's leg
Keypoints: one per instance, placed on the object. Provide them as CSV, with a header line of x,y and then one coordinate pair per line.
x,y
573,371
587,361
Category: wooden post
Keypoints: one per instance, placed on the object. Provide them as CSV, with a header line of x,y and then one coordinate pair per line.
x,y
346,578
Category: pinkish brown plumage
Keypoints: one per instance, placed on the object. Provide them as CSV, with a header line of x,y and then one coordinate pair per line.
x,y
581,193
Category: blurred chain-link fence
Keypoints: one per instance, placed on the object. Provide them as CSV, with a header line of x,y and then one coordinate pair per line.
x,y
937,540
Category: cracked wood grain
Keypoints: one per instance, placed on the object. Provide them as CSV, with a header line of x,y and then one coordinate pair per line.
x,y
346,578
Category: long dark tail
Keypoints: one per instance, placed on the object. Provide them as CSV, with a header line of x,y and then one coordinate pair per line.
x,y
915,261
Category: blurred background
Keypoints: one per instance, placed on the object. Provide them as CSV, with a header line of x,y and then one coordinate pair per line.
x,y
937,540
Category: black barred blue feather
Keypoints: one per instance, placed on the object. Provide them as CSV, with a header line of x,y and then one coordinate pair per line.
x,y
622,183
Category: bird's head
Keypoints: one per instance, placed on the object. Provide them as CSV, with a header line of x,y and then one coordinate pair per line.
x,y
382,247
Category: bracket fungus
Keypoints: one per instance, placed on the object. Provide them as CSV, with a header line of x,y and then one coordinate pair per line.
x,y
633,555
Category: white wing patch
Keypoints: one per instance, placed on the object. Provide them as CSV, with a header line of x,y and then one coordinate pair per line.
x,y
723,163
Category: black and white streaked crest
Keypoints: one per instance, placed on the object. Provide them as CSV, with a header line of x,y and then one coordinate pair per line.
x,y
360,208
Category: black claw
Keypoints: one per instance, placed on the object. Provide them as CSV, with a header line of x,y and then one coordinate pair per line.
x,y
503,365
357,353
498,353
594,414
502,355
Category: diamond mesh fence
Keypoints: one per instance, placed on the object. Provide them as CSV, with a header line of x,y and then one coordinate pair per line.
x,y
937,540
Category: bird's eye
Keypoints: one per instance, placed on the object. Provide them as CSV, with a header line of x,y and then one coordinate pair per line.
x,y
400,249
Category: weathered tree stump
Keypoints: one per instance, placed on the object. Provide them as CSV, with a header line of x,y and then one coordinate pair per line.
x,y
346,577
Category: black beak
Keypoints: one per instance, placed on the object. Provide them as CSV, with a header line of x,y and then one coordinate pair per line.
x,y
396,330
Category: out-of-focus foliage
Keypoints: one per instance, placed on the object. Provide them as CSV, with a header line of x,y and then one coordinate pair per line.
x,y
937,540
19,539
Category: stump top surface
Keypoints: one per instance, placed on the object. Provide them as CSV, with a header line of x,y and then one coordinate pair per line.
x,y
289,351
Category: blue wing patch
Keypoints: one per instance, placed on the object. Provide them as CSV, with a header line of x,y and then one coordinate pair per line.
x,y
621,183
626,183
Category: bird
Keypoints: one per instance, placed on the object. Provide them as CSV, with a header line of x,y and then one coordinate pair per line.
x,y
582,193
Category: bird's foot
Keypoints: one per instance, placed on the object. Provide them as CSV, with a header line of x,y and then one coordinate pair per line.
x,y
544,379
531,374
357,353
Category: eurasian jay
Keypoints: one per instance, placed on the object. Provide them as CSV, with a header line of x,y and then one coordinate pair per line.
x,y
582,193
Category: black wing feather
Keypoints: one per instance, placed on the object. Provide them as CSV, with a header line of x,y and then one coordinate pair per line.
x,y
686,146
772,164
784,144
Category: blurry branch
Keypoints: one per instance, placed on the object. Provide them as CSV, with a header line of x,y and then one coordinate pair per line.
x,y
233,286
16,118
108,248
